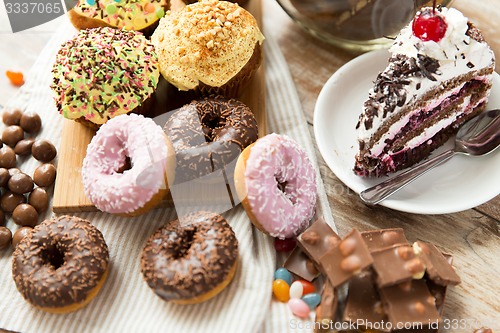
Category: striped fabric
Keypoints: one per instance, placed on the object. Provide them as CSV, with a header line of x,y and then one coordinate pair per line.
x,y
126,304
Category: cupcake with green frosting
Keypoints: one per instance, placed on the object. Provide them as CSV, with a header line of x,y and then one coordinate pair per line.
x,y
102,73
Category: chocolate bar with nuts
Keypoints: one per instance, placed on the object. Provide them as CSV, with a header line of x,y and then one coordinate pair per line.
x,y
346,259
299,264
397,264
363,303
327,309
317,239
438,268
379,239
409,302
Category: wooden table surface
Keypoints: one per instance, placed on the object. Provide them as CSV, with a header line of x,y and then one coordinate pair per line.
x,y
472,236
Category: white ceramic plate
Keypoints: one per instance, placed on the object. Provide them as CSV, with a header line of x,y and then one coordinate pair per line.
x,y
459,184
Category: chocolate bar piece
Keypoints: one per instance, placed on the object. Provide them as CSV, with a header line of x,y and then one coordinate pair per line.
x,y
397,264
346,259
327,309
317,239
439,291
379,239
299,264
438,268
409,302
363,303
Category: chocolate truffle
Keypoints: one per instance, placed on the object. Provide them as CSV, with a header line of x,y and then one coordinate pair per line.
x,y
10,201
45,175
21,183
5,237
39,199
4,177
25,215
12,135
7,157
30,122
43,150
23,147
19,235
12,117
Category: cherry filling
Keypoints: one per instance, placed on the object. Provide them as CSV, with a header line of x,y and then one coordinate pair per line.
x,y
53,256
417,119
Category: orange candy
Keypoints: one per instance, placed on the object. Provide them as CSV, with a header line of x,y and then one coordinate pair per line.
x,y
281,290
16,78
307,287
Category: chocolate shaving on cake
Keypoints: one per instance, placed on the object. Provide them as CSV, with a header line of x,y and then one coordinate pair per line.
x,y
389,88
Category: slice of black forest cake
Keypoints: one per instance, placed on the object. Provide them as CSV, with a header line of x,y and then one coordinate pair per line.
x,y
439,76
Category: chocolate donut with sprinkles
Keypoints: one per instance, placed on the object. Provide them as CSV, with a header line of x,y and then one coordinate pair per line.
x,y
139,15
61,265
276,183
102,73
208,134
190,260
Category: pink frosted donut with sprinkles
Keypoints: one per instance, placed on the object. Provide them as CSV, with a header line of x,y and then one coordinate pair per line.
x,y
276,183
128,166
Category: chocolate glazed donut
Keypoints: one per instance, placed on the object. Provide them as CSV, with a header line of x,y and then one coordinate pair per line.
x,y
61,264
209,134
192,260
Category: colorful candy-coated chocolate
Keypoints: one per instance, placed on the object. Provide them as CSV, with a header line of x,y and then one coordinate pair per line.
x,y
307,287
91,2
283,274
296,290
299,307
284,245
281,290
312,300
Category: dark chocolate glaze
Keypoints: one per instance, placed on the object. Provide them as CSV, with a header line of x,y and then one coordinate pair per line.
x,y
60,262
188,258
209,134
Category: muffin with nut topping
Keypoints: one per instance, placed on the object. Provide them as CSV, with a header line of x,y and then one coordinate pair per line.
x,y
209,47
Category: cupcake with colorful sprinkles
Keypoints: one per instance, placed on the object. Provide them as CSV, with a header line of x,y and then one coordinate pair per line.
x,y
139,15
104,72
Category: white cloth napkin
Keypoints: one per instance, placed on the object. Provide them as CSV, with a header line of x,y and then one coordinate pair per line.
x,y
125,303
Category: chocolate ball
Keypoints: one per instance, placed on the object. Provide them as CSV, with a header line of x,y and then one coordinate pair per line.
x,y
30,122
45,175
12,135
12,117
25,215
2,217
13,171
23,147
7,157
39,199
5,237
19,235
4,177
21,183
10,201
43,150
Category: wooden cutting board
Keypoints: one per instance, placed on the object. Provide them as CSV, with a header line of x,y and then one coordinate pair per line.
x,y
68,192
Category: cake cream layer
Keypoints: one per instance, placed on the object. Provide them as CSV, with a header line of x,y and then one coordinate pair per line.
x,y
379,146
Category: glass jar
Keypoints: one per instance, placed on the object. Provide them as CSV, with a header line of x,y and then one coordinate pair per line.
x,y
358,25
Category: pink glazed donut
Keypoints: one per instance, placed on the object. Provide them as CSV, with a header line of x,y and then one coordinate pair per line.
x,y
276,183
127,165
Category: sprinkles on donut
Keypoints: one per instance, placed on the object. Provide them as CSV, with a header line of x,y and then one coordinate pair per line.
x,y
276,183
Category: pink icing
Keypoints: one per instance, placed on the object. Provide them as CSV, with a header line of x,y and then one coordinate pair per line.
x,y
132,136
276,159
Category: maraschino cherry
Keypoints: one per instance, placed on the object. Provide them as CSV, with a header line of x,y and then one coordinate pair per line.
x,y
428,25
